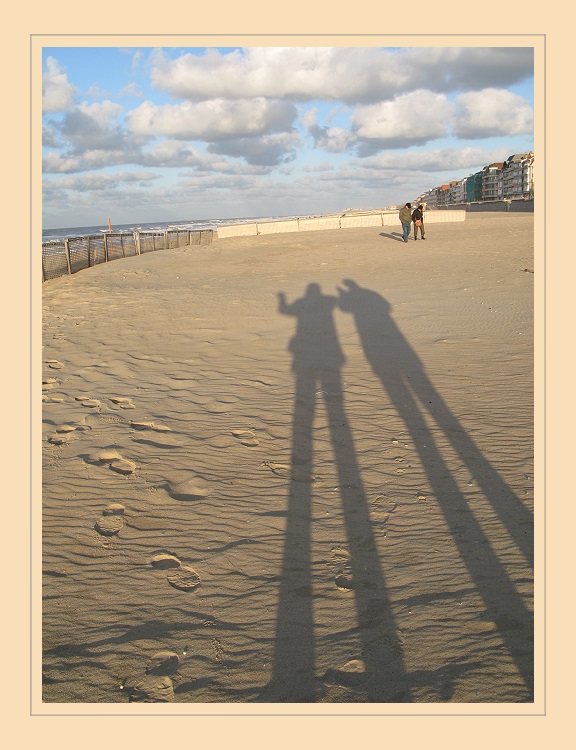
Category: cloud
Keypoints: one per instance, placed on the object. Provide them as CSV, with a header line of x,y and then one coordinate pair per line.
x,y
101,181
97,92
237,127
436,160
322,167
57,91
449,69
93,126
419,117
268,150
410,120
491,112
348,74
212,120
50,138
55,162
131,89
170,153
92,137
335,140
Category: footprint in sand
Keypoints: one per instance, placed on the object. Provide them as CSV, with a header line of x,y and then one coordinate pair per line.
x,y
183,578
149,426
62,434
155,435
164,560
294,473
114,460
123,403
340,566
189,490
246,437
353,674
221,405
111,521
59,439
52,399
54,364
148,689
163,663
382,507
218,649
344,581
180,576
91,403
155,685
48,383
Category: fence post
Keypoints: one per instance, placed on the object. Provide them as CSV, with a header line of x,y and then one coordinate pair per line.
x,y
106,248
67,251
89,259
137,241
166,240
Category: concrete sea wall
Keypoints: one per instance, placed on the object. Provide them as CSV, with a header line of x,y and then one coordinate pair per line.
x,y
346,221
503,205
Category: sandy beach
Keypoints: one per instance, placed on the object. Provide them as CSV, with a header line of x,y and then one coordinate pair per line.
x,y
293,469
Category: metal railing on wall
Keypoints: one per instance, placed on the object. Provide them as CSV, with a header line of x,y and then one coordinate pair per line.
x,y
78,253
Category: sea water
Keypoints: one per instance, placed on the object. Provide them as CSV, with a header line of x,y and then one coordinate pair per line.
x,y
57,235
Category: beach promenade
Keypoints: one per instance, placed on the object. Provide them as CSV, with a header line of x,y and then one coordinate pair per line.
x,y
293,468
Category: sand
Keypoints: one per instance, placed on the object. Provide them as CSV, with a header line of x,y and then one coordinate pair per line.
x,y
293,469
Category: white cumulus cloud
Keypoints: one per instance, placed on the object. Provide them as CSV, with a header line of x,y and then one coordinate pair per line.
x,y
212,120
410,119
57,91
350,74
492,112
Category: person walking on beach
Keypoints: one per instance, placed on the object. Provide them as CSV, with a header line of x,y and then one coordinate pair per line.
x,y
405,217
418,219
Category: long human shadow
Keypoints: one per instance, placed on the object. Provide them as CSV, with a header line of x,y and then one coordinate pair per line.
x,y
317,362
393,236
412,393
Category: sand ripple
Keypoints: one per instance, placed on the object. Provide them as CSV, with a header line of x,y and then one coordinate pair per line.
x,y
212,534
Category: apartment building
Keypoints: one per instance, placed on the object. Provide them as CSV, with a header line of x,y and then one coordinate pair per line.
x,y
474,187
457,191
528,176
512,179
492,182
517,177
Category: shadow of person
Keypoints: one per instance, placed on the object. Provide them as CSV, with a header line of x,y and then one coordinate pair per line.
x,y
393,236
317,363
412,393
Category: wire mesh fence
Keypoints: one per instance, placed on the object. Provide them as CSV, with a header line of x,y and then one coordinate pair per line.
x,y
77,253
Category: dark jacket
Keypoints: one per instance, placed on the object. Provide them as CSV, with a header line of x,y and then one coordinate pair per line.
x,y
417,214
404,215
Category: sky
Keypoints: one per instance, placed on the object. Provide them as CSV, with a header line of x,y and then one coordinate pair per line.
x,y
178,134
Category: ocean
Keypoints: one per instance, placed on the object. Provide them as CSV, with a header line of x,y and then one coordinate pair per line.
x,y
57,235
